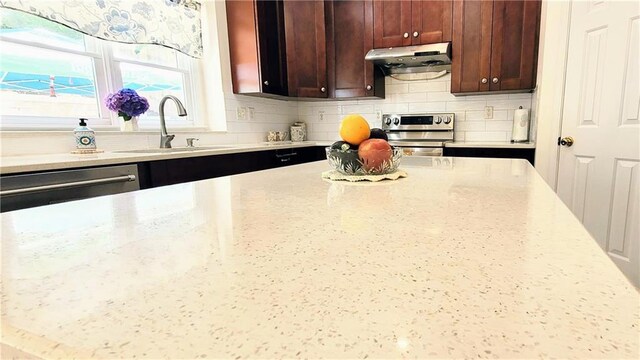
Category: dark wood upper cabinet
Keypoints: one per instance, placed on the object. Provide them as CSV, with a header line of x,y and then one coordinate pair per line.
x,y
431,21
306,48
257,47
415,22
514,49
471,46
349,38
495,45
392,23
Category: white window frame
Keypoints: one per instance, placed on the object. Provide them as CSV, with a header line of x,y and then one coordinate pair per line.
x,y
108,80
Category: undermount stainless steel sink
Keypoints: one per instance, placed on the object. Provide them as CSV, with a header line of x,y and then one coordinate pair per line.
x,y
174,150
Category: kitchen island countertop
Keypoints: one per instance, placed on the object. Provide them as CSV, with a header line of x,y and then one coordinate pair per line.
x,y
463,258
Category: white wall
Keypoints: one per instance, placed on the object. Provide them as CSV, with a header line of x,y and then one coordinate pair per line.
x,y
421,96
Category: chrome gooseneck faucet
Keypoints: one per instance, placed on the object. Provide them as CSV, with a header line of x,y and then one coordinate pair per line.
x,y
165,138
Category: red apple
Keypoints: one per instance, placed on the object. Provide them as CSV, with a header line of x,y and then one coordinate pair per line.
x,y
373,153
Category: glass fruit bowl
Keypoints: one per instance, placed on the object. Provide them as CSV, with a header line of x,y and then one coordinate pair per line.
x,y
372,162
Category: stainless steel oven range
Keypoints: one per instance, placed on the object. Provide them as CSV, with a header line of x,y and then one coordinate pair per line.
x,y
419,134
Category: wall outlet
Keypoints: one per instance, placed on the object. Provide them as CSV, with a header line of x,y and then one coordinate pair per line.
x,y
241,113
252,113
320,115
488,112
379,115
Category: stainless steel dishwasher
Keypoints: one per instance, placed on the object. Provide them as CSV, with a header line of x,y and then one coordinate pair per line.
x,y
37,189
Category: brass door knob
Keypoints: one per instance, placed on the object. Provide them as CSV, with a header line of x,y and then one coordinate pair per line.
x,y
565,141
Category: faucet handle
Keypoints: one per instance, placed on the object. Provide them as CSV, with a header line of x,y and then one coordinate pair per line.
x,y
190,141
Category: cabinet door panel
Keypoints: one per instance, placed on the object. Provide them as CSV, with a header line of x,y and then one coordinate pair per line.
x,y
392,19
306,48
272,49
350,35
431,20
471,57
514,44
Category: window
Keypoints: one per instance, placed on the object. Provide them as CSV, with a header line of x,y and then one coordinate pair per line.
x,y
51,75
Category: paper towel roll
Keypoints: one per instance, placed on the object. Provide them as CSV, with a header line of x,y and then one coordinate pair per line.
x,y
520,132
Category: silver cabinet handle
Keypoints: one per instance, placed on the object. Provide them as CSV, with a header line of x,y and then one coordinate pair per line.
x,y
266,82
484,80
369,87
495,80
405,35
115,179
415,34
323,89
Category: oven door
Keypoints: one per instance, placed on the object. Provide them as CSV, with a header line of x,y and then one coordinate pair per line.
x,y
421,151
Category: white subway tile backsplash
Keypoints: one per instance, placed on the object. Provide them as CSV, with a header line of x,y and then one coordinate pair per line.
x,y
427,107
486,136
498,125
418,96
469,126
357,109
465,105
396,88
427,86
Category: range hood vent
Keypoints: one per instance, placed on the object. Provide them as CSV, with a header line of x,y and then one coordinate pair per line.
x,y
412,59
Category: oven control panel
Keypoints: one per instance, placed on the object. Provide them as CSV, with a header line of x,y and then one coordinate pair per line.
x,y
431,121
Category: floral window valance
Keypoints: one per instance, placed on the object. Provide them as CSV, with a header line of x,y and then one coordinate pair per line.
x,y
171,23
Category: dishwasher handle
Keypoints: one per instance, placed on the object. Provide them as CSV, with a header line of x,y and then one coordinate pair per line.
x,y
109,180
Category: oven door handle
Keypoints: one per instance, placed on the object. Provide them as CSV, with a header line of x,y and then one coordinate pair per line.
x,y
412,151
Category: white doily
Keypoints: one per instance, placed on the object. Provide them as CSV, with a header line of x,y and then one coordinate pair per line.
x,y
335,175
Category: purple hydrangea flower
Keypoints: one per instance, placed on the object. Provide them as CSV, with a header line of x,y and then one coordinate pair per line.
x,y
127,103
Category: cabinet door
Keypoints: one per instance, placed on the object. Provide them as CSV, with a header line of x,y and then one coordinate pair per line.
x,y
392,23
350,37
514,50
272,49
471,57
306,48
431,21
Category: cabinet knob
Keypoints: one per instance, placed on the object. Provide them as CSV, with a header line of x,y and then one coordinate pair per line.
x,y
484,80
369,87
266,82
495,80
323,89
415,34
406,35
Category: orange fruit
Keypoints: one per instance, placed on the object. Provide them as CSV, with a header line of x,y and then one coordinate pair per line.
x,y
354,129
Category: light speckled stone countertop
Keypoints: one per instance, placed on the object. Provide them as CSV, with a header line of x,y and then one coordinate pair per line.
x,y
29,163
463,258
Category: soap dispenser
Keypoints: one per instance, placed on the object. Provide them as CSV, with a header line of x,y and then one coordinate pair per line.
x,y
85,137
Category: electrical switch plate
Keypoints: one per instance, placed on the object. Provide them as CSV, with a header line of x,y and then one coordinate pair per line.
x,y
488,112
252,113
241,113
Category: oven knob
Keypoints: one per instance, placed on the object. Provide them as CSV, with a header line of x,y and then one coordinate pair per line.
x,y
447,119
387,121
438,119
396,121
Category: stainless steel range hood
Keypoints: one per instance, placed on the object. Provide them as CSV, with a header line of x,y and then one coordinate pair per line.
x,y
412,59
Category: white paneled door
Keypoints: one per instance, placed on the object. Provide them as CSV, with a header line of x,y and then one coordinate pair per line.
x,y
599,175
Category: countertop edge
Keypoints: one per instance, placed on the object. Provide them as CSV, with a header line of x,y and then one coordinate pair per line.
x,y
71,161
